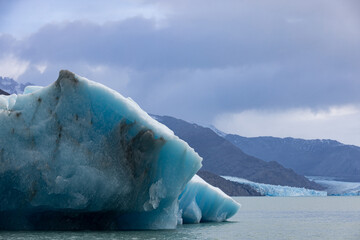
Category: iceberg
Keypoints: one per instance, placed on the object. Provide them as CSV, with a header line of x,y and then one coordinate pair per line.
x,y
78,155
202,202
277,190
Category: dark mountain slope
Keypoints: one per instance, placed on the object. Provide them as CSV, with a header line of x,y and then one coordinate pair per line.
x,y
3,92
223,158
308,157
228,187
10,86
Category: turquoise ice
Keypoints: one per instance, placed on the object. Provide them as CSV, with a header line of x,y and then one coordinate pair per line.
x,y
78,155
202,202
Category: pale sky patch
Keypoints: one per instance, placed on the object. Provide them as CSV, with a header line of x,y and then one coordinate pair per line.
x,y
294,20
12,67
41,67
336,122
118,78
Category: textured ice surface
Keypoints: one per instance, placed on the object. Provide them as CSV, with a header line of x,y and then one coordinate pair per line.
x,y
277,190
78,155
203,202
338,188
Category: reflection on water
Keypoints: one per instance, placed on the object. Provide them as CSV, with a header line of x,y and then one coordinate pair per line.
x,y
259,218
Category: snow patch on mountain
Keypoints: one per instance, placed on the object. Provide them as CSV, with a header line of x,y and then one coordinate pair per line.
x,y
11,86
217,131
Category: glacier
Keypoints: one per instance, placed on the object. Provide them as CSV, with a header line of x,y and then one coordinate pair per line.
x,y
277,190
78,155
337,188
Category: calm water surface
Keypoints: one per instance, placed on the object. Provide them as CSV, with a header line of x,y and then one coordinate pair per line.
x,y
259,218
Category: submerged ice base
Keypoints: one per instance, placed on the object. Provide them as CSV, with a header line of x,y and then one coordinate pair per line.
x,y
78,155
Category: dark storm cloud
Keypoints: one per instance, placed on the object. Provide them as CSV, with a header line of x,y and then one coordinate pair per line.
x,y
136,43
228,57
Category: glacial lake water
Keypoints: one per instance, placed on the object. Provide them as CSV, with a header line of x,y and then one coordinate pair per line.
x,y
259,218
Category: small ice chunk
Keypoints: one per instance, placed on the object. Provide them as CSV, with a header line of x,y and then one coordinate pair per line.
x,y
202,202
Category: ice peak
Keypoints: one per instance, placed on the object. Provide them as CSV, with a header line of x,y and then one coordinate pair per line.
x,y
67,75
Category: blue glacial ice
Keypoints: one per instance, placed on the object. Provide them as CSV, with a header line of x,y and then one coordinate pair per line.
x,y
277,190
78,155
337,188
203,202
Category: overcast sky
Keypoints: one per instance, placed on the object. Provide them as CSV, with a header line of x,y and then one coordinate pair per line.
x,y
255,68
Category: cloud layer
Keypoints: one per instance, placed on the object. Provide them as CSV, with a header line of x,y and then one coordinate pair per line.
x,y
197,60
336,122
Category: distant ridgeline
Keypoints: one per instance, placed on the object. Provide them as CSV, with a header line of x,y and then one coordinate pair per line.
x,y
308,157
10,86
221,157
242,157
3,92
229,187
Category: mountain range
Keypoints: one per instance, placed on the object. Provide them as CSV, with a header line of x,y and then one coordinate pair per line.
x,y
229,187
221,157
9,85
3,92
308,157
